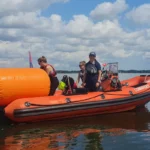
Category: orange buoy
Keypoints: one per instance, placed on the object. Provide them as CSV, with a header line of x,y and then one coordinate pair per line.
x,y
22,83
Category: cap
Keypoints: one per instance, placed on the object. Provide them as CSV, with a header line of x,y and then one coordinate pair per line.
x,y
92,54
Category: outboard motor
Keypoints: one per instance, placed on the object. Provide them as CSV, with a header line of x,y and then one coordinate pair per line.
x,y
110,81
115,83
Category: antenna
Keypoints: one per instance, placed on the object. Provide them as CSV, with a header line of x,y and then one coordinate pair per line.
x,y
30,60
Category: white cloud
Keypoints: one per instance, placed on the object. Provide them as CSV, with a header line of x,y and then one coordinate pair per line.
x,y
140,15
80,25
121,53
108,10
147,55
21,20
66,43
11,7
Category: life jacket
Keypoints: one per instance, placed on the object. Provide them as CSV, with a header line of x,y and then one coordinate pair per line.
x,y
81,74
91,69
52,74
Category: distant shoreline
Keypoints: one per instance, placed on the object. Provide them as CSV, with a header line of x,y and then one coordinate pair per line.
x,y
120,71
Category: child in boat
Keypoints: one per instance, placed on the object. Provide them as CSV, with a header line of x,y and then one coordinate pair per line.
x,y
81,72
42,61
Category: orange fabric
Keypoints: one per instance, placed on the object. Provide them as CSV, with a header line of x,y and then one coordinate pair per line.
x,y
22,83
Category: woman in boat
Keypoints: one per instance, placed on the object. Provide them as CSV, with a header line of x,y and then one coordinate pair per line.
x,y
81,72
92,77
42,61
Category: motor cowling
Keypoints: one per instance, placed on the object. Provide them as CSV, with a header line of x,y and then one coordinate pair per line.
x,y
115,83
109,77
111,83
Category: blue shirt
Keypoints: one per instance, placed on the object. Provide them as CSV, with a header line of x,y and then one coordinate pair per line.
x,y
93,68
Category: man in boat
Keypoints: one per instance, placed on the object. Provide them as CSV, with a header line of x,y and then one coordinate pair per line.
x,y
92,76
42,61
81,72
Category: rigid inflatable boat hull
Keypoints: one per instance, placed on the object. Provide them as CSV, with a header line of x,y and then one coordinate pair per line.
x,y
70,111
60,106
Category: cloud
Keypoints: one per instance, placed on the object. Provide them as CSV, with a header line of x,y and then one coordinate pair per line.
x,y
65,43
140,15
108,10
20,20
12,7
147,55
122,53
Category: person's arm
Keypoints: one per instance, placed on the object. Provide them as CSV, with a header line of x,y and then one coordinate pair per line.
x,y
99,72
84,78
78,80
99,75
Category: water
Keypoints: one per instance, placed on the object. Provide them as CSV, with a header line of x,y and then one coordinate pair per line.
x,y
121,131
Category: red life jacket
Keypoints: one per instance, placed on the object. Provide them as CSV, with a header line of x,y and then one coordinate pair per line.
x,y
54,73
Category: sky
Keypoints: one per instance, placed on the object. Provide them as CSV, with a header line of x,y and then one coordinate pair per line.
x,y
66,31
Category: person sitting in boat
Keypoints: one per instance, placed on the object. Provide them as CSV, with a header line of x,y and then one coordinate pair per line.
x,y
81,72
67,85
92,77
42,61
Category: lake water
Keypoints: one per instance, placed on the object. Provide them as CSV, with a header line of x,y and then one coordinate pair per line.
x,y
121,131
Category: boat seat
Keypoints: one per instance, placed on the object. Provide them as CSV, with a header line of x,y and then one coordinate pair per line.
x,y
78,91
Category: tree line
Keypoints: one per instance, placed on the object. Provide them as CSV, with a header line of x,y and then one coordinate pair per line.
x,y
120,71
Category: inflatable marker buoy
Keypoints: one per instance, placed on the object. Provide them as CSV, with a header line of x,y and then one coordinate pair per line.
x,y
22,83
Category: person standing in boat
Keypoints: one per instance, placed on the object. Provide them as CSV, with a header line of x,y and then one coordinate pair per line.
x,y
92,77
81,72
42,61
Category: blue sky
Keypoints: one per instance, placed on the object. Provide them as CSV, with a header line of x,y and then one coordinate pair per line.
x,y
65,31
67,10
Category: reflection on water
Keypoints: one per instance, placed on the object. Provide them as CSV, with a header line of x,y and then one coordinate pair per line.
x,y
129,130
121,131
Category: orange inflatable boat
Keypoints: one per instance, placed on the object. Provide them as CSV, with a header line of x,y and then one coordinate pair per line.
x,y
133,93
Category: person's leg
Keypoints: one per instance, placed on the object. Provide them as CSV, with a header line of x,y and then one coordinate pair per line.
x,y
71,80
54,85
89,85
94,81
